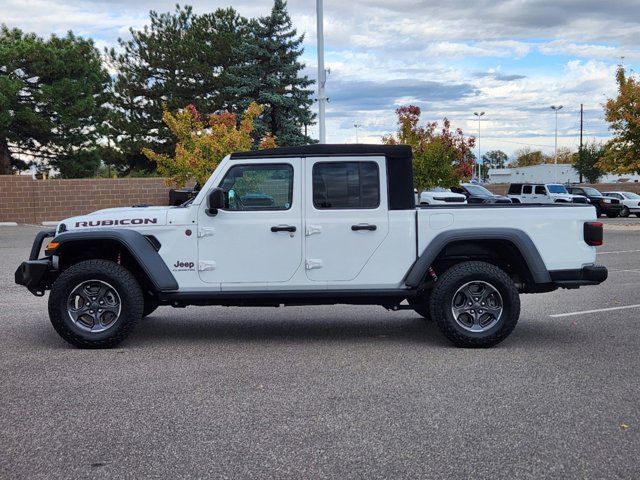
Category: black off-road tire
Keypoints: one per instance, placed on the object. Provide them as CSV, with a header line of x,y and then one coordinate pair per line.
x,y
121,279
446,287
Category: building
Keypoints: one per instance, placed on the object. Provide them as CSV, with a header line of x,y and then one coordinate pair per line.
x,y
549,173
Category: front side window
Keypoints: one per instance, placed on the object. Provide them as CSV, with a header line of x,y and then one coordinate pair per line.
x,y
258,187
346,185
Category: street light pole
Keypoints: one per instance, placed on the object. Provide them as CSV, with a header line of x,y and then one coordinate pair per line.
x,y
555,153
322,74
357,125
478,114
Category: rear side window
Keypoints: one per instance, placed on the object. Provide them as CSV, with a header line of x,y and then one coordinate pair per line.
x,y
515,188
527,189
345,185
540,190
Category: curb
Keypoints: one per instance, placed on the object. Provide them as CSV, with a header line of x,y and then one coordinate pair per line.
x,y
8,224
50,223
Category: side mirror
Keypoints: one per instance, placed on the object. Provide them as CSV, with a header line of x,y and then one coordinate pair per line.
x,y
215,201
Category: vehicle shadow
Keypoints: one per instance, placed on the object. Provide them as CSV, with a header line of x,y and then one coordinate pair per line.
x,y
399,328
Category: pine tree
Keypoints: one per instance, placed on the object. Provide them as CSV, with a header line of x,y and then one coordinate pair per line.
x,y
270,74
179,59
51,101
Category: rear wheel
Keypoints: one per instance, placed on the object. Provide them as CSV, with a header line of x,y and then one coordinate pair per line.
x,y
475,304
95,304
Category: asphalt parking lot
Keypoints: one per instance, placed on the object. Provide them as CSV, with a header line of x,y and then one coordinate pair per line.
x,y
327,392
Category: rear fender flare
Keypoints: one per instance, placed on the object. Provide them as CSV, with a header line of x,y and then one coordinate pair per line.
x,y
518,238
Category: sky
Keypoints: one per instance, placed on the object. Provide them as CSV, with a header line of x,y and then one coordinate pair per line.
x,y
511,59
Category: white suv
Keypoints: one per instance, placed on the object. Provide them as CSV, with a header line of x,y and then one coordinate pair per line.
x,y
629,200
441,196
542,193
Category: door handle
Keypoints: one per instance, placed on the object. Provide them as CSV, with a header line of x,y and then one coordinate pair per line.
x,y
371,228
284,228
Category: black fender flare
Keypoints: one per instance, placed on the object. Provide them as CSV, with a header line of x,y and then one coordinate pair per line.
x,y
518,238
136,244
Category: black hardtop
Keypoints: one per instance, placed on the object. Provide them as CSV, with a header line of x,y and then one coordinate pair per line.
x,y
398,160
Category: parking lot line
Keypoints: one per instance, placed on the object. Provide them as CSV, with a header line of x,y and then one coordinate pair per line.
x,y
583,312
619,251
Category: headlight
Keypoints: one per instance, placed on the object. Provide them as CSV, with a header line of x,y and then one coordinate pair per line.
x,y
606,200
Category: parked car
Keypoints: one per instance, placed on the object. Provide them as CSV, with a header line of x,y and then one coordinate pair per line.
x,y
441,196
542,193
611,207
630,202
478,194
342,228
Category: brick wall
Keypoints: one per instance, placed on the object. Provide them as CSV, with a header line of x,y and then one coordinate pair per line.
x,y
501,188
25,200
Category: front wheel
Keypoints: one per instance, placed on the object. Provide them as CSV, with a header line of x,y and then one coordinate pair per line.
x,y
624,213
475,304
95,304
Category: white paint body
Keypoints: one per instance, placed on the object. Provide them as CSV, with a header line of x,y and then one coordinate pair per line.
x,y
236,250
542,193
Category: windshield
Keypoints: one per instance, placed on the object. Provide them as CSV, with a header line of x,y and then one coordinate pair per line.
x,y
631,195
477,190
556,189
592,192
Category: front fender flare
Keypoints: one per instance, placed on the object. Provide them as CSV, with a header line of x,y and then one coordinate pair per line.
x,y
136,244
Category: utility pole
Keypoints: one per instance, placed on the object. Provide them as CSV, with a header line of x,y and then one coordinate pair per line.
x,y
478,114
322,73
555,153
580,150
357,125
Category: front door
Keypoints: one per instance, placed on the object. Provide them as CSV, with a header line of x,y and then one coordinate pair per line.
x,y
257,237
346,215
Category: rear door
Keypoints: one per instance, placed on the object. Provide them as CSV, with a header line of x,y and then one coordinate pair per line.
x,y
346,212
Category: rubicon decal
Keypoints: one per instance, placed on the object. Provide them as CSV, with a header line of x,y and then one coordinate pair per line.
x,y
123,221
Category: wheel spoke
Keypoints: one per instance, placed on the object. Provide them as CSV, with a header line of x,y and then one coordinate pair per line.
x,y
90,301
477,306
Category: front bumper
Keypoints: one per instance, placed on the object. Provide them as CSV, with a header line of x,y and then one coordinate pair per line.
x,y
34,273
589,275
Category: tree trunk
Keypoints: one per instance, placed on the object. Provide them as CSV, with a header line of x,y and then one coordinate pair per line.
x,y
5,158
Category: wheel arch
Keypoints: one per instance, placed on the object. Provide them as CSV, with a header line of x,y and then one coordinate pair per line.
x,y
512,246
127,247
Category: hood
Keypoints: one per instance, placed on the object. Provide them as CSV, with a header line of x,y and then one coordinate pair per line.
x,y
123,217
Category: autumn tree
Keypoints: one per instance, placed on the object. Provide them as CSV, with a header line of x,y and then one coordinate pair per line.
x,y
622,153
441,157
51,101
527,157
202,142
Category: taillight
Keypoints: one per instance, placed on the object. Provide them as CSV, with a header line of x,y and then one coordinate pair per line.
x,y
593,233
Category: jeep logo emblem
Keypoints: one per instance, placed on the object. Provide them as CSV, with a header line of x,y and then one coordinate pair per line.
x,y
185,265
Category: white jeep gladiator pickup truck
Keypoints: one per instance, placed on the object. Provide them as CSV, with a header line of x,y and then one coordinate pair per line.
x,y
312,225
